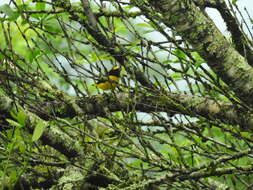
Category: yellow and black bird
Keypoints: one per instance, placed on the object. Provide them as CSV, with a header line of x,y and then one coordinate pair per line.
x,y
110,80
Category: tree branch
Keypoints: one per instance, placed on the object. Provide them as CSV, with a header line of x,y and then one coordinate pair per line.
x,y
152,102
239,38
51,136
186,19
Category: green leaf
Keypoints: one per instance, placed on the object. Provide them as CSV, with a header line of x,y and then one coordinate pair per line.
x,y
6,9
13,123
148,31
38,131
198,59
179,53
22,147
121,30
22,7
52,27
21,117
40,6
234,1
33,54
2,56
144,24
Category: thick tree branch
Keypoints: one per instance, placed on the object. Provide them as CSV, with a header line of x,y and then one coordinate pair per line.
x,y
101,13
203,174
51,136
186,18
143,101
203,171
239,38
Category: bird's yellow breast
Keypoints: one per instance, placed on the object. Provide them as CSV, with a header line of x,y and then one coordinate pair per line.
x,y
106,85
110,84
114,78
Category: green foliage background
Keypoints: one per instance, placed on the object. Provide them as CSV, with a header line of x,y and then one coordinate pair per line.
x,y
47,51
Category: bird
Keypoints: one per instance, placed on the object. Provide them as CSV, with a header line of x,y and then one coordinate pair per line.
x,y
110,80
